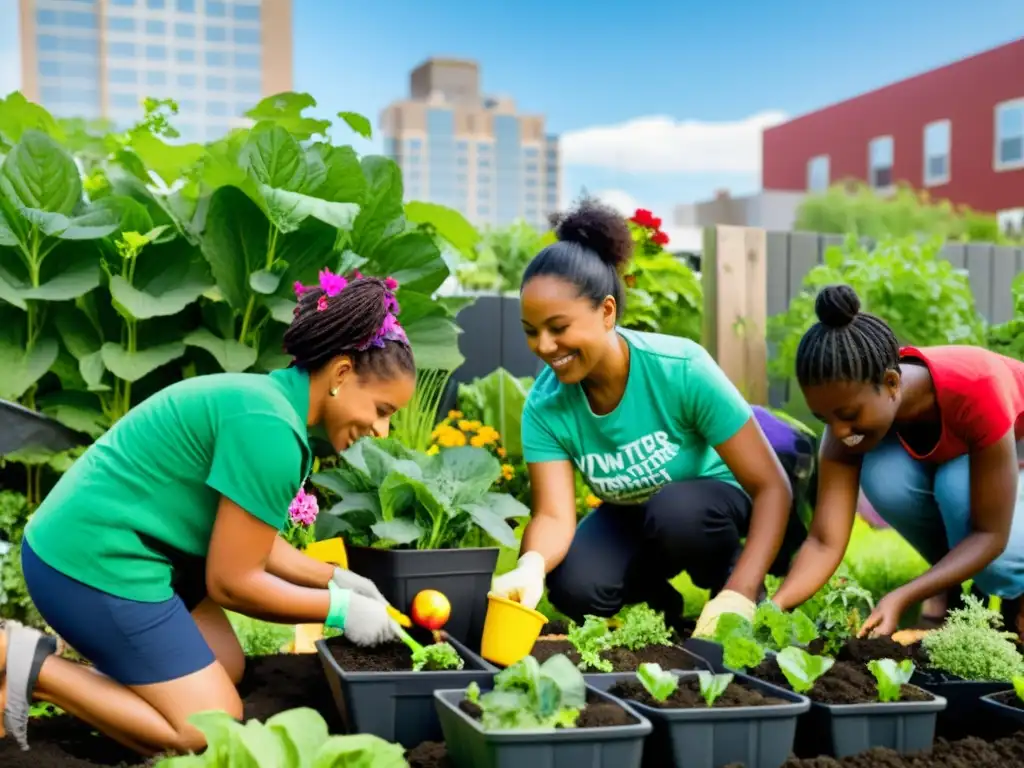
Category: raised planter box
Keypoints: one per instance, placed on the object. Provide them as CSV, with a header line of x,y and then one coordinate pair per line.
x,y
462,575
708,737
470,746
963,714
396,706
1006,705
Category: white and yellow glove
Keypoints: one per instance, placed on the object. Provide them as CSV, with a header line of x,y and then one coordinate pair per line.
x,y
725,601
525,583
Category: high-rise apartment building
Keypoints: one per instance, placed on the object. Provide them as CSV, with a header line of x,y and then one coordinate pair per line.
x,y
100,58
470,152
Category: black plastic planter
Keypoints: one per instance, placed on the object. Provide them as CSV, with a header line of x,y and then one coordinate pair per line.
x,y
997,703
397,706
470,746
962,716
704,737
840,730
462,575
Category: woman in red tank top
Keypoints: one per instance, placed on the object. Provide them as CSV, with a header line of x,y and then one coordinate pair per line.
x,y
930,436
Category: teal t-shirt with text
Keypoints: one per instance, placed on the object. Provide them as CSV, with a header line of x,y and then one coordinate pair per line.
x,y
678,404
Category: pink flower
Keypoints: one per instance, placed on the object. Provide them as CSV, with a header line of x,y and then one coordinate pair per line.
x,y
303,509
331,283
299,288
321,304
388,325
391,284
357,275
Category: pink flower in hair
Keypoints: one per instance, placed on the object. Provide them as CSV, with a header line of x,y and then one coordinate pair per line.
x,y
331,283
321,304
357,275
299,288
391,284
387,326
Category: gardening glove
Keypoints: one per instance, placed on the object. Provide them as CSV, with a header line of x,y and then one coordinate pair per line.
x,y
525,583
345,579
368,623
725,601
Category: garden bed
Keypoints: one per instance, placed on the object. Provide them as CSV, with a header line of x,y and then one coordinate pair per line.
x,y
688,696
847,682
272,684
973,752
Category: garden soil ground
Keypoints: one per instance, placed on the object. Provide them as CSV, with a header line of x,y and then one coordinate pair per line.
x,y
272,684
968,753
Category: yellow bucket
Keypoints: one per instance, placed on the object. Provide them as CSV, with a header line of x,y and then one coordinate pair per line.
x,y
510,630
329,551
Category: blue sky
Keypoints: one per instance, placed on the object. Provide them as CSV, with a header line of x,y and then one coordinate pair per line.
x,y
588,65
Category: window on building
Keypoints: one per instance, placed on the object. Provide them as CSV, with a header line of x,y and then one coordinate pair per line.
x,y
155,27
46,18
246,36
120,24
156,78
818,170
247,60
125,3
156,5
246,12
248,85
1009,148
79,19
187,81
880,158
124,100
186,6
183,30
185,55
216,10
216,34
217,108
121,50
937,143
216,83
156,52
216,59
122,76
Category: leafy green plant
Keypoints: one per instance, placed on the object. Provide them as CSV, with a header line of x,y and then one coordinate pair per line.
x,y
744,643
637,626
740,650
801,668
590,640
1018,686
15,602
971,646
659,683
497,261
712,686
497,399
1008,338
391,496
838,609
891,676
437,656
296,738
412,425
529,695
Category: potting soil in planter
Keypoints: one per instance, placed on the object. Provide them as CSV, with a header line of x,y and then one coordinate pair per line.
x,y
389,657
848,682
272,684
553,641
687,695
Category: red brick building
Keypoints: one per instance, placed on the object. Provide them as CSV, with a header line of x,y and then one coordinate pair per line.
x,y
957,131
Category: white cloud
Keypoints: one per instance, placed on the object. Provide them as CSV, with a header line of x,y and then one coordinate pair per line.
x,y
659,144
621,201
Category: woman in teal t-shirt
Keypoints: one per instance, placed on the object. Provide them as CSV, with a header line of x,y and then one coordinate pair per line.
x,y
661,436
174,515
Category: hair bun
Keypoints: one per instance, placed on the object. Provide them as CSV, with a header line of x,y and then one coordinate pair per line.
x,y
598,228
837,305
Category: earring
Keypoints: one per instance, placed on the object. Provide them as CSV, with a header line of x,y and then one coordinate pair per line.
x,y
334,391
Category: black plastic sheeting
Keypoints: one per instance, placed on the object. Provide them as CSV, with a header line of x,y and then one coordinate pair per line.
x,y
23,428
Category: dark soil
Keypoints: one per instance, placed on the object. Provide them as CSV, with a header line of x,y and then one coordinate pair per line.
x,y
847,682
863,650
622,659
429,754
968,753
599,713
389,657
272,684
687,696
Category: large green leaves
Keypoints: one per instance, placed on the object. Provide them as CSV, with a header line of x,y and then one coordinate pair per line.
x,y
21,366
38,174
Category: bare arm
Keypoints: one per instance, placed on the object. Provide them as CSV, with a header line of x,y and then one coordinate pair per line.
x,y
553,524
237,577
994,474
288,563
756,467
831,525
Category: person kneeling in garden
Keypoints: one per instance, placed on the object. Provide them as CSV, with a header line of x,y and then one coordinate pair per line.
x,y
930,436
662,437
173,516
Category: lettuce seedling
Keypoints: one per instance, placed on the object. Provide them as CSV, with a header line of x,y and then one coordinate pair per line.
x,y
739,648
891,676
530,695
590,640
641,627
436,657
660,683
776,629
801,668
712,686
297,738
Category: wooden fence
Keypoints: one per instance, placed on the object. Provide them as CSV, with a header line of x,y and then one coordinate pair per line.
x,y
750,275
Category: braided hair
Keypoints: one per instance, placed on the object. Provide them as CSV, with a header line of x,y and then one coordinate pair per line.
x,y
354,317
594,244
846,345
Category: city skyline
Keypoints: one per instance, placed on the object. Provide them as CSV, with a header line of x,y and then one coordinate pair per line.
x,y
653,107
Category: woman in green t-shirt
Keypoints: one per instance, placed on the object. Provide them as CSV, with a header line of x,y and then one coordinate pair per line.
x,y
661,436
173,515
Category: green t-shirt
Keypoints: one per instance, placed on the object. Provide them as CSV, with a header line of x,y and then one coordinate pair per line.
x,y
146,493
678,404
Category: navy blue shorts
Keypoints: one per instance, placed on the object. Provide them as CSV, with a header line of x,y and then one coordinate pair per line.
x,y
131,642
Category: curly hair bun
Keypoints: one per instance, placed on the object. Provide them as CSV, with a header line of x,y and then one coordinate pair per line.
x,y
599,228
837,305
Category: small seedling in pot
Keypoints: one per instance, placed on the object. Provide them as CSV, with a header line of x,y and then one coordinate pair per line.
x,y
891,677
590,640
659,683
529,695
801,668
712,686
437,656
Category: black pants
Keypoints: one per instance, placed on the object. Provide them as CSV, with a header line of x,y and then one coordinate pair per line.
x,y
626,554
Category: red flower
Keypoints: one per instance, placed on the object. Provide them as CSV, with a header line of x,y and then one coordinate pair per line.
x,y
645,218
659,238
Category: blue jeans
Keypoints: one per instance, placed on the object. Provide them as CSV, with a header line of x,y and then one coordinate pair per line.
x,y
929,506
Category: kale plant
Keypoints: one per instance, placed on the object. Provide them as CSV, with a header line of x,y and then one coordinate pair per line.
x,y
639,626
530,695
